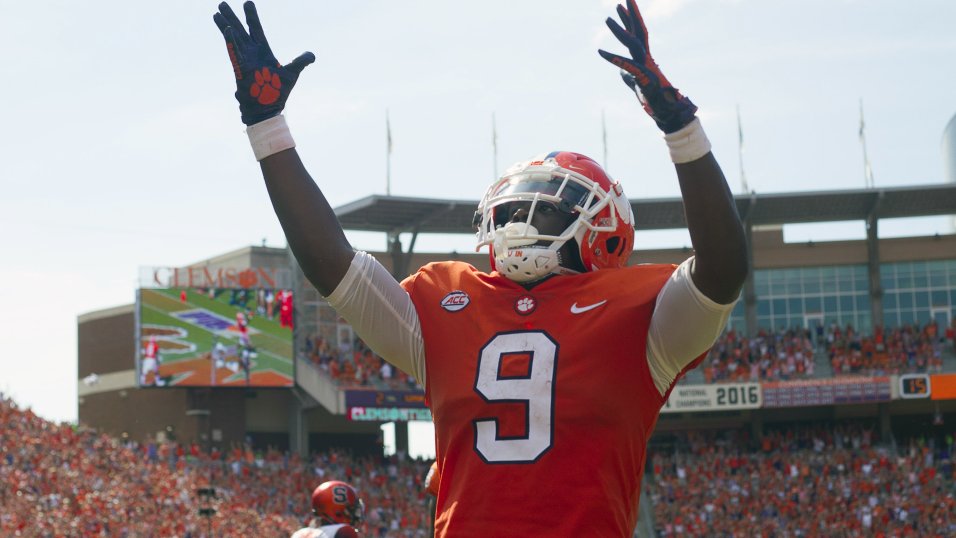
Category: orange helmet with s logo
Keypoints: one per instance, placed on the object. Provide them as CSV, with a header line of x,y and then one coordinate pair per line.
x,y
337,502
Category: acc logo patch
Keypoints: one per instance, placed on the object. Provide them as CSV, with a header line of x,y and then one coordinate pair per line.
x,y
455,301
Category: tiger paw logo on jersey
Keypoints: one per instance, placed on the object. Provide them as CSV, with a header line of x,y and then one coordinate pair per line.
x,y
266,87
525,305
455,301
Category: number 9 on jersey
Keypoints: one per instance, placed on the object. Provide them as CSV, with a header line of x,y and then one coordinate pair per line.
x,y
535,389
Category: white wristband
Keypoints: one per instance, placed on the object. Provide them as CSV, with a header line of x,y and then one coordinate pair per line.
x,y
688,144
269,137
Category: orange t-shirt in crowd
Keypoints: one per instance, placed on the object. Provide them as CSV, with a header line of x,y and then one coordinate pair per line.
x,y
542,399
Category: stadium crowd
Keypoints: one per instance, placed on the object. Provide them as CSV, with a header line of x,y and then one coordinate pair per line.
x,y
899,350
811,481
63,480
787,354
769,355
356,365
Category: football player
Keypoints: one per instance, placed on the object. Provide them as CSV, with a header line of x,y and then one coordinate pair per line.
x,y
285,309
562,353
242,325
150,364
218,355
338,512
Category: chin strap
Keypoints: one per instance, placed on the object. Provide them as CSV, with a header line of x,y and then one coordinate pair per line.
x,y
518,258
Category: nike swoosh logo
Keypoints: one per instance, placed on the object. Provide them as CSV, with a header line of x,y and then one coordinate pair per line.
x,y
575,309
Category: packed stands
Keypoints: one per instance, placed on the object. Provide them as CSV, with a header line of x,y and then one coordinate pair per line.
x,y
821,480
355,365
901,350
62,480
769,355
799,353
802,481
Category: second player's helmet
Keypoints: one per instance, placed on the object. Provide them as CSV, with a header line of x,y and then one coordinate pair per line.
x,y
337,502
603,229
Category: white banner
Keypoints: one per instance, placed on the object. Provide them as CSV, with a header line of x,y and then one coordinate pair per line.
x,y
719,397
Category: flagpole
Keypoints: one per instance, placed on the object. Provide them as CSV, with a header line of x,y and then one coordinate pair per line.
x,y
388,156
867,169
740,152
604,137
494,146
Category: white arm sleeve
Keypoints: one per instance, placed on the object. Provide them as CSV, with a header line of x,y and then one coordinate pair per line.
x,y
382,313
685,324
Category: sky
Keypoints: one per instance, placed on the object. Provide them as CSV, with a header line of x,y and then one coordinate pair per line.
x,y
122,145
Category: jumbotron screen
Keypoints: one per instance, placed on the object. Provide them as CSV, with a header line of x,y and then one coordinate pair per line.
x,y
214,338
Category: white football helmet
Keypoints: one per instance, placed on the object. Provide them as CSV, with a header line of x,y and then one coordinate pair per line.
x,y
575,185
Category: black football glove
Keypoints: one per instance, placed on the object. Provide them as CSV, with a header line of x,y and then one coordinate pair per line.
x,y
262,83
661,100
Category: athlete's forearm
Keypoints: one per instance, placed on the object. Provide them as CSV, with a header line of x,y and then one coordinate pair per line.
x,y
716,232
314,233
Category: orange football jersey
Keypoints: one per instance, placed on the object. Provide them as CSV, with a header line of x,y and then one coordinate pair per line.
x,y
542,399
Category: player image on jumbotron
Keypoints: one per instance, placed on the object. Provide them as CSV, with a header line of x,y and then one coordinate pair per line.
x,y
215,337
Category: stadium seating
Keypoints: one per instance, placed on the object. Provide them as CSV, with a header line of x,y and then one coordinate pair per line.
x,y
900,350
798,353
813,481
769,355
832,480
61,480
356,366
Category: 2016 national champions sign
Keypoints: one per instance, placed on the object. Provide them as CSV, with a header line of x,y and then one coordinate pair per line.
x,y
723,397
797,393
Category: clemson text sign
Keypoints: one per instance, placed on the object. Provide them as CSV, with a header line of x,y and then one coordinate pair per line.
x,y
215,277
387,414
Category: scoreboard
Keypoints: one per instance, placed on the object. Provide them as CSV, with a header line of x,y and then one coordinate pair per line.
x,y
914,386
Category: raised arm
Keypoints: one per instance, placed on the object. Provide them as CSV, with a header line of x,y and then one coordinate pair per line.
x,y
263,86
310,225
720,264
371,299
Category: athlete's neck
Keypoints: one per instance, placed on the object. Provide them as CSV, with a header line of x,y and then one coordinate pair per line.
x,y
533,283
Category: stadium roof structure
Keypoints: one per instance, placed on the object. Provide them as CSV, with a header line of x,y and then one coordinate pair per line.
x,y
395,214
